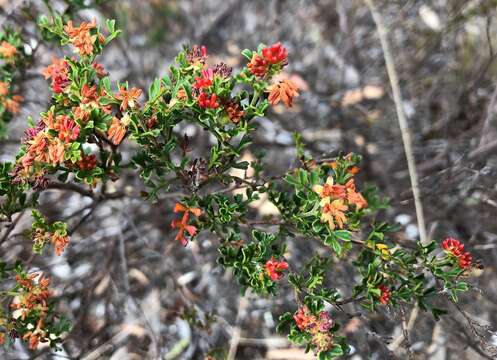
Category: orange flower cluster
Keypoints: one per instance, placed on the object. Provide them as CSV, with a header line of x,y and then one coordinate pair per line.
x,y
182,225
456,249
59,72
44,147
117,129
7,50
32,300
11,104
317,326
59,241
81,38
284,91
128,98
336,199
275,268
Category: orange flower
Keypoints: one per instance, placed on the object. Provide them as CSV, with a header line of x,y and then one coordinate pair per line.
x,y
80,36
7,51
81,114
333,212
60,242
284,90
89,94
12,105
330,189
181,95
181,208
2,338
37,145
56,151
4,88
354,197
128,98
182,225
258,66
117,131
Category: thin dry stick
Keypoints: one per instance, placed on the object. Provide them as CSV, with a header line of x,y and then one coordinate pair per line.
x,y
488,119
406,328
236,335
404,128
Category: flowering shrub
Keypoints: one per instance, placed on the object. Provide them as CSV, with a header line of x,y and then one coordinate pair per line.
x,y
12,59
77,142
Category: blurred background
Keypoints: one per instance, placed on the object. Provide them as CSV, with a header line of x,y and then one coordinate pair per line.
x,y
133,293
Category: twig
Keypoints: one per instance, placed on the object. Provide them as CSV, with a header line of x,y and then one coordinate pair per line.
x,y
404,128
488,119
235,339
406,328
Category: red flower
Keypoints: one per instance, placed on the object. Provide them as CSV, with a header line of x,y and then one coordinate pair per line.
x,y
205,80
303,318
67,128
465,260
258,66
275,268
275,54
386,293
206,102
99,69
453,246
88,162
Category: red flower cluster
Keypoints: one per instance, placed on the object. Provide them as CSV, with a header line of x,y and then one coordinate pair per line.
x,y
88,162
317,326
182,225
275,268
207,102
204,81
456,249
58,71
386,294
275,54
68,130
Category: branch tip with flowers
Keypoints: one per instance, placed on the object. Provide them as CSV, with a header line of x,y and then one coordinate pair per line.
x,y
78,140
